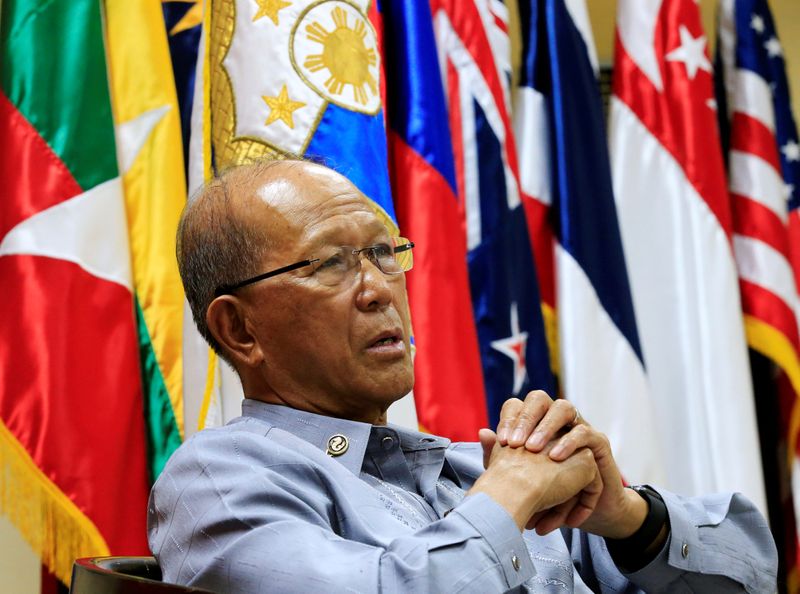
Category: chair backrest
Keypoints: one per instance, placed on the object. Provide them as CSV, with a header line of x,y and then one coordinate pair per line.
x,y
121,575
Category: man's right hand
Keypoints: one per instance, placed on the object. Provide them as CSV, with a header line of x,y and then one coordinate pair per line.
x,y
526,483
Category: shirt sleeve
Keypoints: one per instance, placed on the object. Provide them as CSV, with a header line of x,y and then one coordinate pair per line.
x,y
258,529
717,543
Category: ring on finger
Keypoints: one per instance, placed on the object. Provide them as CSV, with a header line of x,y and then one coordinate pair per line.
x,y
577,418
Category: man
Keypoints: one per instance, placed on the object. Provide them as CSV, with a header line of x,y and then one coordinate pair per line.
x,y
310,490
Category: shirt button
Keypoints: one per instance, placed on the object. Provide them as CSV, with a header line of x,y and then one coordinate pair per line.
x,y
685,550
515,562
387,442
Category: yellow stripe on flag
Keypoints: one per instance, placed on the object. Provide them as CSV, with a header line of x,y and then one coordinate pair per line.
x,y
773,344
551,334
151,162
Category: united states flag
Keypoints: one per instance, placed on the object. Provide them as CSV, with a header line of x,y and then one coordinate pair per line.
x,y
764,171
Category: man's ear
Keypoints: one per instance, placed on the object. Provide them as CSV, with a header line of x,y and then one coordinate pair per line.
x,y
225,318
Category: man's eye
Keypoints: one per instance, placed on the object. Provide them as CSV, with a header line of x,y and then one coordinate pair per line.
x,y
333,262
383,250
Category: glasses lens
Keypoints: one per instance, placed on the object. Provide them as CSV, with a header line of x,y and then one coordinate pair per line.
x,y
333,269
403,254
383,255
337,266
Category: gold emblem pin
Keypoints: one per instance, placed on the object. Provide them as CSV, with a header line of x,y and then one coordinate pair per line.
x,y
337,445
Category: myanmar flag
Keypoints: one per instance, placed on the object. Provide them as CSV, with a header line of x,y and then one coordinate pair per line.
x,y
89,336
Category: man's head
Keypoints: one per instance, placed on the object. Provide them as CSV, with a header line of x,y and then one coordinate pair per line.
x,y
339,350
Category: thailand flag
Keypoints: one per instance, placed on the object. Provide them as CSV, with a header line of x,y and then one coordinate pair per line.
x,y
565,165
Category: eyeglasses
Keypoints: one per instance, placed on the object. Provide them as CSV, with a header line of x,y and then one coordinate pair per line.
x,y
346,260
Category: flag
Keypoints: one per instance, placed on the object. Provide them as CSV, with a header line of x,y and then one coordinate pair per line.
x,y
675,221
320,97
149,147
471,40
764,172
559,122
183,19
448,386
72,437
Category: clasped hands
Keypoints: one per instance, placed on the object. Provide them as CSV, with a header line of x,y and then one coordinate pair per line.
x,y
547,471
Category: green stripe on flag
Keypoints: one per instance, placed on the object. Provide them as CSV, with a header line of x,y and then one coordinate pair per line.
x,y
38,39
163,436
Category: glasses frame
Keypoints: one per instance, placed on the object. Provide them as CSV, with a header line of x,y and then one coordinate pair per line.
x,y
229,289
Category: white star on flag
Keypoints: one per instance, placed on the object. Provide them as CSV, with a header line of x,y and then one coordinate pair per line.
x,y
773,47
514,348
757,23
788,191
692,52
90,229
791,150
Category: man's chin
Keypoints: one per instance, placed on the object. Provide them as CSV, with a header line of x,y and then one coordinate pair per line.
x,y
396,388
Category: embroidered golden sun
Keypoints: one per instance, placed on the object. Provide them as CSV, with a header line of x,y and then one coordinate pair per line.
x,y
345,56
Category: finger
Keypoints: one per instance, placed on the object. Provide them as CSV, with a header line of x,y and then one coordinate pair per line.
x,y
556,516
586,504
534,409
580,436
487,439
508,416
535,520
559,415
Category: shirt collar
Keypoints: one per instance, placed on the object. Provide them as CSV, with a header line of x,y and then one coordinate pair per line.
x,y
319,429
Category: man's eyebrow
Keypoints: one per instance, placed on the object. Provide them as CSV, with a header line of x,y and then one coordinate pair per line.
x,y
375,231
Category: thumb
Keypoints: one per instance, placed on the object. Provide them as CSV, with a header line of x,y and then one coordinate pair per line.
x,y
488,438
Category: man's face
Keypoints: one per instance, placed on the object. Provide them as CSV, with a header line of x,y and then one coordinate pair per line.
x,y
338,350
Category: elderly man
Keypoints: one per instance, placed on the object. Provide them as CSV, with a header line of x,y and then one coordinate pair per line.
x,y
294,280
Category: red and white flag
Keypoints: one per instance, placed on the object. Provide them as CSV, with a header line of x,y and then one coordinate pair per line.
x,y
675,220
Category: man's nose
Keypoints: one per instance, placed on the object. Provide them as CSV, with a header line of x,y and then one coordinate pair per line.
x,y
375,291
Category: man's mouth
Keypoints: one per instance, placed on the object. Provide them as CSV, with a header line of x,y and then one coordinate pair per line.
x,y
390,341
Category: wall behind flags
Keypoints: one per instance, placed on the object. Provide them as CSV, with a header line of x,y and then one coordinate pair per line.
x,y
20,567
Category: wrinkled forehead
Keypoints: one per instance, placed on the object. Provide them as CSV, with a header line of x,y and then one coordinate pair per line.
x,y
311,205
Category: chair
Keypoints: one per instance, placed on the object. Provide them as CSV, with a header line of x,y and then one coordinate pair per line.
x,y
121,575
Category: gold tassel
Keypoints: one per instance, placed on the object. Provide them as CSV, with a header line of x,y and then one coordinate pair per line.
x,y
50,521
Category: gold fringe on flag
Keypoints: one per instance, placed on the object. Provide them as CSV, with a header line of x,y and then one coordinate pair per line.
x,y
551,334
774,345
51,523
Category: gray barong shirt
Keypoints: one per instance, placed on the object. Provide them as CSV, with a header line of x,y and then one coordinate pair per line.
x,y
259,506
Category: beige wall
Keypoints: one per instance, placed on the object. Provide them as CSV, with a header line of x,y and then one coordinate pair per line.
x,y
19,566
785,12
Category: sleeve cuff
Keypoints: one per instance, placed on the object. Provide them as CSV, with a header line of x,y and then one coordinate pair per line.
x,y
501,534
679,554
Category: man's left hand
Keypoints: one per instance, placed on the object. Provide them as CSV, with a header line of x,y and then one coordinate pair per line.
x,y
619,512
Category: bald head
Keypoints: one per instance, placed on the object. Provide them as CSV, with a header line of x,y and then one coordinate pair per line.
x,y
218,244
